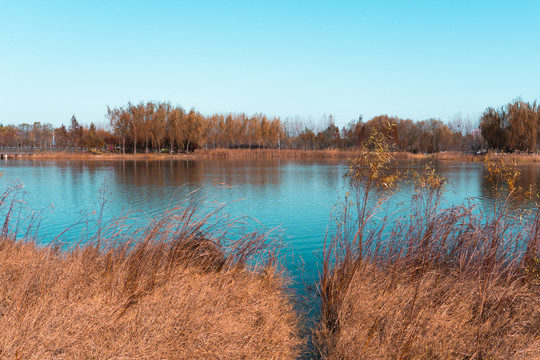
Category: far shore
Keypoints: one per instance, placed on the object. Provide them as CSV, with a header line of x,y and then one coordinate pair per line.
x,y
269,154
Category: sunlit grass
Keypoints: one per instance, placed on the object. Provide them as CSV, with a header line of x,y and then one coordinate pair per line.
x,y
184,286
430,282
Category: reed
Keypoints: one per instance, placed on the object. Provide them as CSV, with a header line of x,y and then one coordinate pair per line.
x,y
429,282
457,156
66,155
276,154
279,154
514,157
179,287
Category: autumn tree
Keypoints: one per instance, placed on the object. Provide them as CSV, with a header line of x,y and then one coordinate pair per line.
x,y
493,127
408,134
307,139
212,131
91,139
174,124
9,136
512,127
136,115
275,132
522,126
148,111
120,121
385,125
75,131
193,129
353,133
159,124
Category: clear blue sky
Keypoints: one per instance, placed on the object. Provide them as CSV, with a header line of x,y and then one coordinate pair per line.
x,y
413,59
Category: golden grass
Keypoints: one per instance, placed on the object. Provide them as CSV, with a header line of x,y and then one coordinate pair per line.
x,y
435,284
397,314
64,155
519,158
490,156
457,156
171,293
430,283
275,154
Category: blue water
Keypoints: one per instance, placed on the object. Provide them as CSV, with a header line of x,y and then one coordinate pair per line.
x,y
298,196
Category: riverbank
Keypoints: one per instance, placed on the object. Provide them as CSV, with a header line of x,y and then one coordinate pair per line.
x,y
198,154
273,154
429,281
406,311
64,155
167,291
433,283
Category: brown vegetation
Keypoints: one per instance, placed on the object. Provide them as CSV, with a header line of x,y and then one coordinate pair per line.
x,y
159,127
173,289
399,314
97,155
429,283
457,283
275,154
515,126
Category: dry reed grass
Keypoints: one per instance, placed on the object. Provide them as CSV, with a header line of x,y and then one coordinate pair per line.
x,y
490,156
398,314
279,154
66,155
513,157
174,289
326,154
276,154
433,283
457,156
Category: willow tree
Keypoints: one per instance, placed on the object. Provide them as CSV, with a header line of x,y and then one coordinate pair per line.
x,y
512,127
194,128
136,114
213,129
493,128
522,126
159,124
147,123
120,121
175,121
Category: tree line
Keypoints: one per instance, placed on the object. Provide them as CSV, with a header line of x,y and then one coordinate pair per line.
x,y
155,126
45,136
512,127
162,127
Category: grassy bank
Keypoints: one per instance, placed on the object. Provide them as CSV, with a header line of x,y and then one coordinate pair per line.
x,y
424,283
276,154
429,282
399,313
198,154
175,289
490,156
65,155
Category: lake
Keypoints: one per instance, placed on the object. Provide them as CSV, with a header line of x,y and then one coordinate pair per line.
x,y
298,196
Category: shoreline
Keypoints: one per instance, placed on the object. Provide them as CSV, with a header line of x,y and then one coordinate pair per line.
x,y
174,283
272,154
